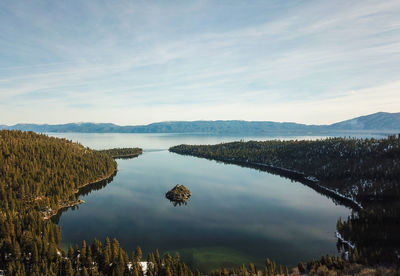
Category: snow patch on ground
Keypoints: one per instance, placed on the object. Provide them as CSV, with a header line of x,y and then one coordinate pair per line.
x,y
343,196
344,241
312,178
143,266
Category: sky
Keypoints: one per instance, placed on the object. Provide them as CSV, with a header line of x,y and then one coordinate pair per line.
x,y
138,62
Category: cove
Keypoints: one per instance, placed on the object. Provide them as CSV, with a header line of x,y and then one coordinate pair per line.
x,y
235,215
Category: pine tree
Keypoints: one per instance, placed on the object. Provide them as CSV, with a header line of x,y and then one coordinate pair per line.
x,y
137,255
301,267
84,272
35,254
68,270
168,271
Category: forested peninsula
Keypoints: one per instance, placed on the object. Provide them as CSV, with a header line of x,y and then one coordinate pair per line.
x,y
123,152
361,170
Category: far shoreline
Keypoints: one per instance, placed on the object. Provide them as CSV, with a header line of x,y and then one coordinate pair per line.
x,y
126,156
293,175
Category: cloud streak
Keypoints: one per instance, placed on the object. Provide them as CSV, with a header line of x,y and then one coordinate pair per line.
x,y
139,62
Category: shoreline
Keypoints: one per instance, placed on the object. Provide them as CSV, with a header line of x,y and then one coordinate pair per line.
x,y
301,177
311,182
126,156
79,201
65,205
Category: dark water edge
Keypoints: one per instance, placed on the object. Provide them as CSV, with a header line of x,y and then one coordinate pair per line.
x,y
369,234
234,216
293,176
85,190
372,229
268,213
208,232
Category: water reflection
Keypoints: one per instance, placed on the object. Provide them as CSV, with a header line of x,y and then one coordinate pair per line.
x,y
294,177
375,233
85,190
370,235
178,202
236,215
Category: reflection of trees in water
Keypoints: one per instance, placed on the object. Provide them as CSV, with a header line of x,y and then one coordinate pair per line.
x,y
298,177
83,192
95,186
178,202
375,232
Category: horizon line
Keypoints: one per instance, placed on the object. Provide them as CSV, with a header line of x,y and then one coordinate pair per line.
x,y
201,120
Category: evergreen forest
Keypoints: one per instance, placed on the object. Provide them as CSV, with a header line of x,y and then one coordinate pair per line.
x,y
123,152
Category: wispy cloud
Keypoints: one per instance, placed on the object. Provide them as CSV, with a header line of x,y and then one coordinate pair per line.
x,y
138,62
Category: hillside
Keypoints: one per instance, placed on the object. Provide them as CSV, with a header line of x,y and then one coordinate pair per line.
x,y
385,122
379,121
217,127
37,167
39,175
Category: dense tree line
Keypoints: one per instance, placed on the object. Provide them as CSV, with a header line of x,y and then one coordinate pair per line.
x,y
123,152
110,259
270,268
41,171
334,265
38,175
360,169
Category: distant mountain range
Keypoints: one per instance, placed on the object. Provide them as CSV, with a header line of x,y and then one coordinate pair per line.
x,y
377,122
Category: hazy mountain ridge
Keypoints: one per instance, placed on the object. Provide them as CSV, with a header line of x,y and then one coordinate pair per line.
x,y
381,121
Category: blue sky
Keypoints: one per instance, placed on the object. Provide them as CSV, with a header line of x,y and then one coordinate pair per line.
x,y
137,62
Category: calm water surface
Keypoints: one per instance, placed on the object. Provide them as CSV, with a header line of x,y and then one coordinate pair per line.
x,y
235,215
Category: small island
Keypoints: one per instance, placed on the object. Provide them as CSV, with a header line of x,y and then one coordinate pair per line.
x,y
179,194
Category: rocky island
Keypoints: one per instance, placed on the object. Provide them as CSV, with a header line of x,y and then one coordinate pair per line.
x,y
179,194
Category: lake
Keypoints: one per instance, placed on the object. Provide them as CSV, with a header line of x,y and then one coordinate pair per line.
x,y
235,215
